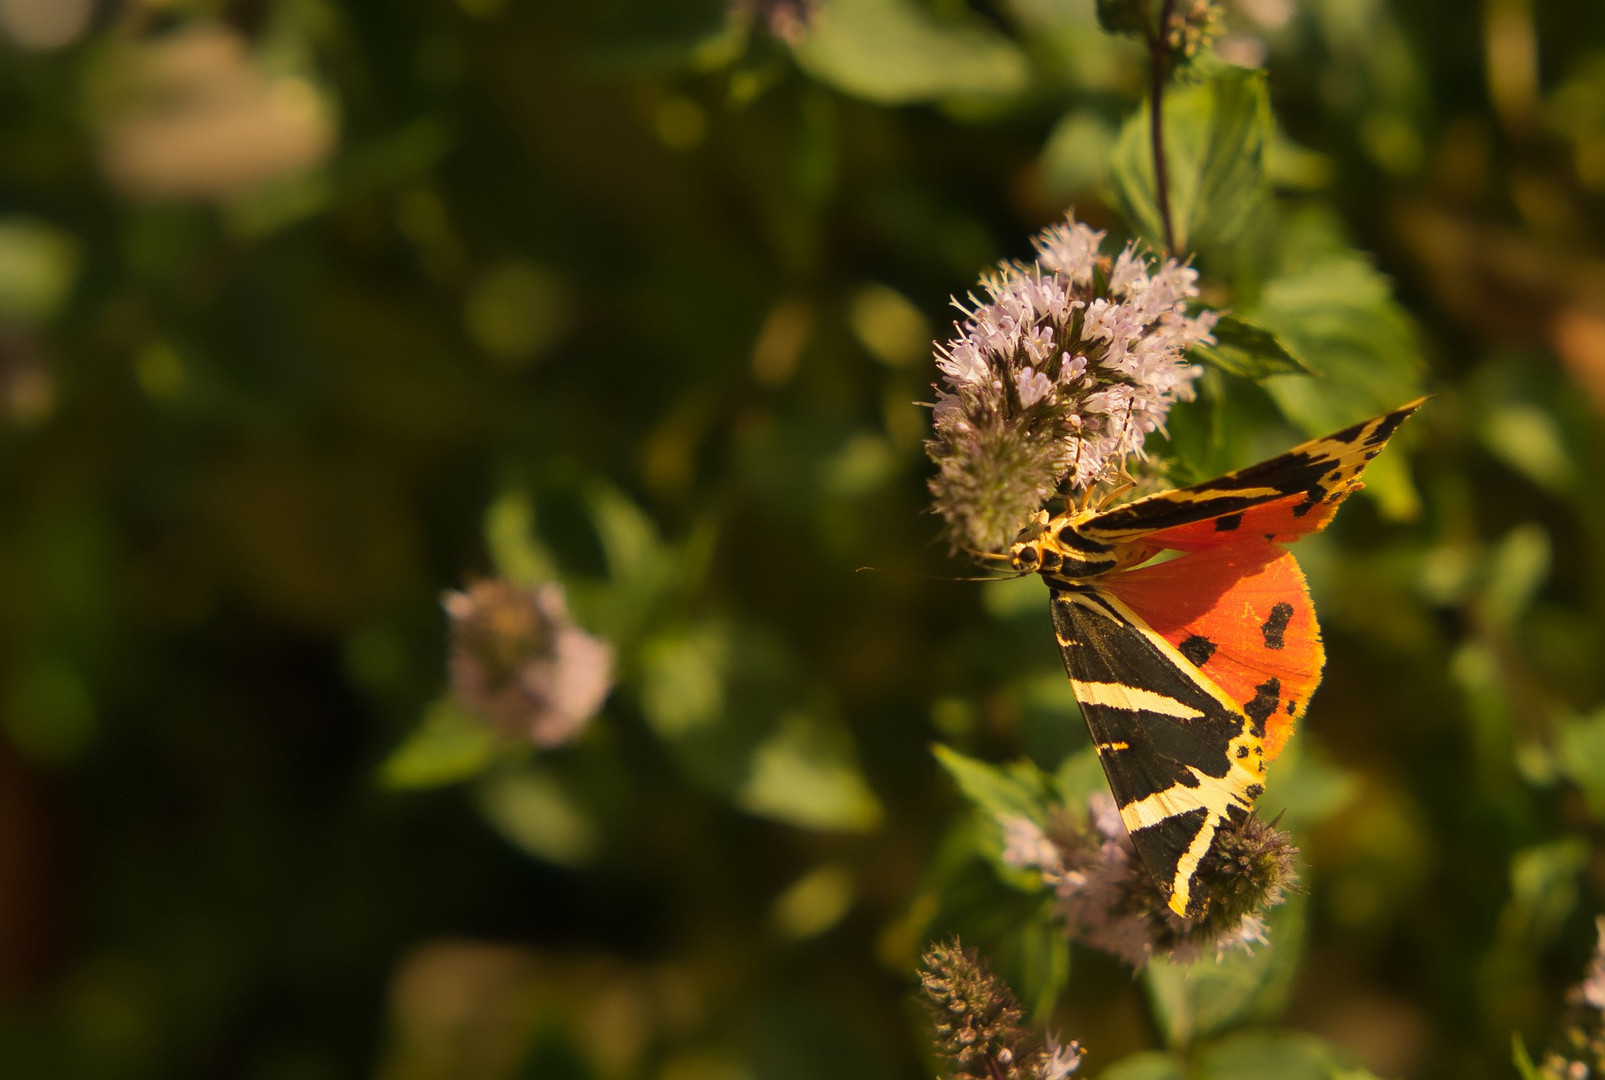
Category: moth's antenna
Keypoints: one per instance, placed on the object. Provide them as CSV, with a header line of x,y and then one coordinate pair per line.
x,y
942,577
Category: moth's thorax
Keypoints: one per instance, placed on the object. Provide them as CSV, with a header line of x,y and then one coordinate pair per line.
x,y
1059,547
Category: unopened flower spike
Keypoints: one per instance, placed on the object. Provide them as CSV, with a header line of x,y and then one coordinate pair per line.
x,y
976,1022
1056,377
1193,27
1190,26
1110,902
518,659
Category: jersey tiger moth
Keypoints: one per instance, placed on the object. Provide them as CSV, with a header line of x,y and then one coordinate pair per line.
x,y
1191,673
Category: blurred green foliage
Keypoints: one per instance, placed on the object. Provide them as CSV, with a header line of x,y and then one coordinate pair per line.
x,y
310,311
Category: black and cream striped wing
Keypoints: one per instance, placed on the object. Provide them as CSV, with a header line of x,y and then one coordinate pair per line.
x,y
1181,758
1287,496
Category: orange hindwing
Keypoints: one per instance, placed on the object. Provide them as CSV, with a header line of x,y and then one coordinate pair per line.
x,y
1242,615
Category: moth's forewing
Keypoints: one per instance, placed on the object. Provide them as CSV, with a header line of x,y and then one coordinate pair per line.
x,y
1181,758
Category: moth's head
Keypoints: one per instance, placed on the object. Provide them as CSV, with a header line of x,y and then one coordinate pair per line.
x,y
1054,545
1035,548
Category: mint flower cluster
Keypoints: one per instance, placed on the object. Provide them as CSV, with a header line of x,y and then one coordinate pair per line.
x,y
1056,378
519,660
1110,902
977,1023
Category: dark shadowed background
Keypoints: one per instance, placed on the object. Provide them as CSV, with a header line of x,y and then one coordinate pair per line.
x,y
312,310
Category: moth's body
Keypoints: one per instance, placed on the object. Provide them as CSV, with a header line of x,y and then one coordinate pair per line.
x,y
1190,673
1057,547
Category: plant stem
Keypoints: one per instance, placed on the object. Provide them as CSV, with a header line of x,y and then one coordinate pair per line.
x,y
1158,49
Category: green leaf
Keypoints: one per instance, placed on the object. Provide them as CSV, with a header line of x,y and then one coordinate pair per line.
x,y
721,696
1000,791
804,774
1304,788
1079,776
1074,159
515,547
894,52
1517,568
1528,438
1580,755
1216,131
1543,890
1041,963
644,574
813,903
536,815
1274,1055
1337,314
1147,1065
451,744
1206,996
1522,1059
1248,351
683,675
630,540
38,267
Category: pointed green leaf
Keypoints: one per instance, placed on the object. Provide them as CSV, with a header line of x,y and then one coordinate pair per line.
x,y
1248,351
1522,1059
805,774
535,814
1209,995
1580,756
515,546
1216,131
1148,1065
894,52
1274,1055
450,744
1044,963
1000,791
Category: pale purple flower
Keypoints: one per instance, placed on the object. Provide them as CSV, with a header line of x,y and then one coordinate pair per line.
x,y
1058,1060
1592,990
1056,377
1108,900
1032,386
1027,847
518,659
789,20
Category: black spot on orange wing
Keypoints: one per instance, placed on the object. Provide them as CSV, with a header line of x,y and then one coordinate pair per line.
x,y
1103,646
1254,791
1276,625
1198,649
1301,473
1267,695
1228,522
1291,706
